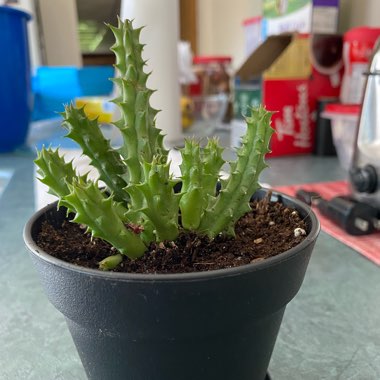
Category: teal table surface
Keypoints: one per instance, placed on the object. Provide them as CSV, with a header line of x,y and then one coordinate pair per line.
x,y
331,330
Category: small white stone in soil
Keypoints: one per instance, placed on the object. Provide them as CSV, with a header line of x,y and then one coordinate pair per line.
x,y
258,241
299,232
272,223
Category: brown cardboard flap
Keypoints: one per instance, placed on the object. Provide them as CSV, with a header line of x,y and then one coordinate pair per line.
x,y
264,56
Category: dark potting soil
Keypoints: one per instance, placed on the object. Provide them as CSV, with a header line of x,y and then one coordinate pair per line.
x,y
266,231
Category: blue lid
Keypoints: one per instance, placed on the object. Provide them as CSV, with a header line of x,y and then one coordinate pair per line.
x,y
15,11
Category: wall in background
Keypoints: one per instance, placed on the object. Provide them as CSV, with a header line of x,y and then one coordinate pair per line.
x,y
59,24
220,28
358,13
33,32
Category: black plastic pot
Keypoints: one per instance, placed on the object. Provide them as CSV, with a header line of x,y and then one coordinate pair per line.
x,y
217,325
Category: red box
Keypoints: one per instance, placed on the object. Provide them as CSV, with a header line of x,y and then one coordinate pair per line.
x,y
292,79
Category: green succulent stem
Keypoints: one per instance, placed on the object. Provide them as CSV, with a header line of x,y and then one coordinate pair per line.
x,y
105,159
160,203
200,172
233,200
55,172
110,262
142,140
101,214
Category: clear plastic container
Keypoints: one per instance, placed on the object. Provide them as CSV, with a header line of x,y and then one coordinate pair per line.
x,y
201,115
344,123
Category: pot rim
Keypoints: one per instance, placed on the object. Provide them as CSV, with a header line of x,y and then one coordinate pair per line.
x,y
175,277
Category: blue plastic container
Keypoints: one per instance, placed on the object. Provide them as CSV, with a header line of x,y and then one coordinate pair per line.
x,y
15,78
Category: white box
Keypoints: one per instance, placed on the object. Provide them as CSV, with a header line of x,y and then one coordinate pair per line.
x,y
303,16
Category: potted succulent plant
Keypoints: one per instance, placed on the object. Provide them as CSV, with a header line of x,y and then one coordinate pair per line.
x,y
129,317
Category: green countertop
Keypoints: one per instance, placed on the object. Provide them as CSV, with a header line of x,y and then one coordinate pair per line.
x,y
331,330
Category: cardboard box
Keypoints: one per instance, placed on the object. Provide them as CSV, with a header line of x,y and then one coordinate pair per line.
x,y
281,74
304,16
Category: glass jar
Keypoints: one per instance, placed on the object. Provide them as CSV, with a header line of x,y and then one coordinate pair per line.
x,y
213,77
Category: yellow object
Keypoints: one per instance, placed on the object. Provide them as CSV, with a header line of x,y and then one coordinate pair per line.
x,y
96,108
293,63
187,112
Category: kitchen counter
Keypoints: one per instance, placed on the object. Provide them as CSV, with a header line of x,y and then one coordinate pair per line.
x,y
331,330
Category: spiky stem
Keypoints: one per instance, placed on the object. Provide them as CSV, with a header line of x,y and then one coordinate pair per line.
x,y
200,172
101,214
142,140
54,172
57,174
160,203
233,201
103,157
